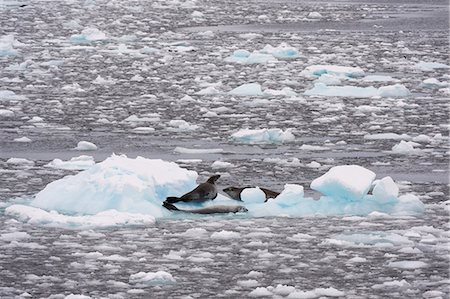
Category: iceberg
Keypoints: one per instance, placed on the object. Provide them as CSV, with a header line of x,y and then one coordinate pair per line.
x,y
262,136
118,183
7,43
351,182
90,34
248,89
124,191
76,163
315,71
282,51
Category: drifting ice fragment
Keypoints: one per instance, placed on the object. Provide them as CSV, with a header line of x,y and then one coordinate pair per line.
x,y
249,89
315,71
350,182
86,146
261,136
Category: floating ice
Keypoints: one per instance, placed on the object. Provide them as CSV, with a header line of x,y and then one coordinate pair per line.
x,y
385,190
409,265
122,191
433,83
392,91
22,139
152,278
430,66
314,15
4,113
85,146
315,71
20,161
225,235
378,78
7,44
197,151
406,148
245,57
282,51
221,165
106,218
180,125
249,89
88,35
76,163
7,95
351,182
120,183
262,136
391,136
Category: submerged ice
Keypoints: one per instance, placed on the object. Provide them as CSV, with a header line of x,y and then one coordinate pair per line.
x,y
131,191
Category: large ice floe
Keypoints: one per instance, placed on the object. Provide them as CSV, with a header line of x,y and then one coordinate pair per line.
x,y
125,191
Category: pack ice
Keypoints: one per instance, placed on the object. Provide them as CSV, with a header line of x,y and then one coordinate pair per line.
x,y
121,190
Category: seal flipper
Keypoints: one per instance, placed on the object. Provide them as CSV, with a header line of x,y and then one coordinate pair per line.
x,y
172,199
170,206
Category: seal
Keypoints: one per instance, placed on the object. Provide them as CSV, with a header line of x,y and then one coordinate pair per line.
x,y
204,191
235,192
219,209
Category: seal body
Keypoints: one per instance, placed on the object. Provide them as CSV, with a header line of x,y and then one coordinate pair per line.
x,y
219,209
235,192
204,191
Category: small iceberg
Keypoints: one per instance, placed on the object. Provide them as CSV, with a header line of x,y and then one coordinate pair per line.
x,y
315,71
263,136
88,35
248,89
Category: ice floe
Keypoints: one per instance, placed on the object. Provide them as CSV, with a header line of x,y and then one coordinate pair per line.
x,y
261,136
76,163
90,34
152,278
124,191
315,71
85,146
392,91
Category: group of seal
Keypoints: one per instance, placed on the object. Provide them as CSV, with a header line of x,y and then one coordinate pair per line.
x,y
208,191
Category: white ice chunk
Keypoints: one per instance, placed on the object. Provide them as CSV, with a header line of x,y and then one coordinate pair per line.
x,y
76,163
85,146
221,165
88,35
248,89
385,190
128,185
197,151
282,51
152,278
7,43
315,71
20,161
393,91
5,113
406,147
350,182
225,235
314,15
430,66
35,216
262,136
410,265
